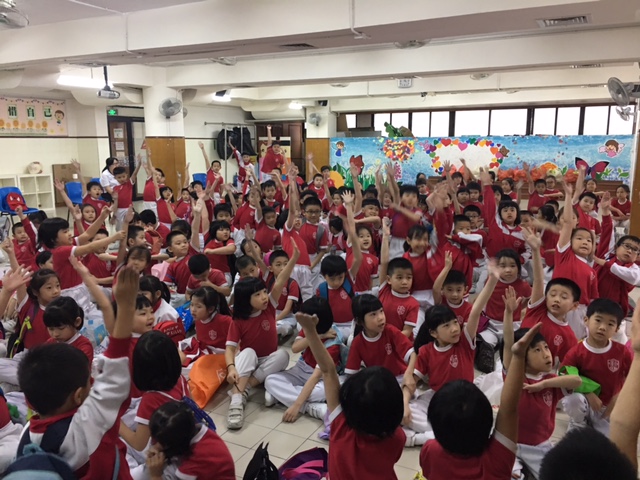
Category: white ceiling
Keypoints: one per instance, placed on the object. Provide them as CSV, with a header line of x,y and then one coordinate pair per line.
x,y
172,42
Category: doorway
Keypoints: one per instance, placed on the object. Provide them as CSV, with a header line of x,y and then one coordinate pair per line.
x,y
126,139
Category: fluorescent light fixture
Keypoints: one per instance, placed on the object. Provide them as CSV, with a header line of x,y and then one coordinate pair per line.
x,y
81,82
295,106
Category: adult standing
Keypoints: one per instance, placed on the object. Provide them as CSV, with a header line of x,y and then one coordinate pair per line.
x,y
107,180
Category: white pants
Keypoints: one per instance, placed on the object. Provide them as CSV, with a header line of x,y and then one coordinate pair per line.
x,y
120,214
425,299
316,278
286,325
248,364
302,275
9,439
494,332
575,319
577,407
153,206
532,455
396,248
286,386
419,406
9,368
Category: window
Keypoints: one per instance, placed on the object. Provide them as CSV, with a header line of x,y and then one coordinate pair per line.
x,y
472,122
420,124
595,120
378,123
544,121
439,124
351,120
617,126
400,119
508,122
568,121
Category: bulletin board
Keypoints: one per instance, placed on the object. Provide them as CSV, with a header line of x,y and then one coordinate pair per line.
x,y
32,116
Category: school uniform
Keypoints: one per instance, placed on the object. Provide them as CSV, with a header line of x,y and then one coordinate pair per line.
x,y
500,235
267,237
162,312
316,240
302,271
216,277
9,435
291,291
210,338
422,284
125,197
366,273
400,309
390,349
400,225
178,272
340,302
494,309
149,196
536,201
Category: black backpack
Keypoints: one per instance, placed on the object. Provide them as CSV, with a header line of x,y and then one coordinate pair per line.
x,y
260,467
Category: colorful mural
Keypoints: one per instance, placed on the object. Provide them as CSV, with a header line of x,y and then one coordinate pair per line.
x,y
606,157
31,116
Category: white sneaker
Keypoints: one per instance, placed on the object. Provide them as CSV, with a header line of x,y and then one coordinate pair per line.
x,y
316,410
269,400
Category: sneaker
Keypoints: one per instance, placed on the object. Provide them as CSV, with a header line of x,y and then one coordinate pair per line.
x,y
316,410
235,415
485,359
269,400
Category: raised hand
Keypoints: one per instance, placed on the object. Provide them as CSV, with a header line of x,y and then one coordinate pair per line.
x,y
492,269
13,279
532,239
446,166
77,213
128,217
386,227
248,232
526,167
201,145
79,266
7,245
307,321
76,165
348,198
59,185
605,202
511,300
520,348
448,260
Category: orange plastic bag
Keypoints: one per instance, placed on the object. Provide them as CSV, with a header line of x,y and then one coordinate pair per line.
x,y
207,375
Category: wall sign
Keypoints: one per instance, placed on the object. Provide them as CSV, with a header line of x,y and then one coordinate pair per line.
x,y
31,116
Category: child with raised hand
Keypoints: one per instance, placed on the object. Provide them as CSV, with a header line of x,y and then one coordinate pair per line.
x,y
550,306
253,331
182,447
365,415
601,360
462,420
450,288
158,294
300,388
212,320
621,207
445,352
124,190
544,389
574,251
56,382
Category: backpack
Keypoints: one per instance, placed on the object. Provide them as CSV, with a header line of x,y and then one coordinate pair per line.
x,y
344,350
15,200
15,344
173,330
324,288
308,465
272,280
201,416
35,463
260,467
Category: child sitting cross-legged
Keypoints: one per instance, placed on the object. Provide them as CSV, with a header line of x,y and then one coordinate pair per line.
x,y
462,420
544,389
445,352
600,359
300,388
450,288
365,413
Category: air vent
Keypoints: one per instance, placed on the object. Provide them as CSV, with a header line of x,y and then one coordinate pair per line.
x,y
588,65
564,21
297,46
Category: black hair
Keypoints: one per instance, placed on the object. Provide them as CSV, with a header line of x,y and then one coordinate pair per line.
x,y
510,204
410,189
586,454
510,181
172,235
548,213
199,264
462,190
553,203
474,186
421,181
371,190
311,202
512,254
268,211
333,265
138,252
525,212
461,417
517,336
49,229
245,261
156,363
119,171
472,209
148,217
196,182
152,284
371,401
337,224
216,161
37,217
308,194
242,292
159,170
173,426
181,226
63,311
589,195
631,238
212,299
460,219
243,246
218,225
141,303
42,258
266,184
325,168
92,184
434,317
540,181
222,207
109,161
457,175
320,307
567,283
48,374
16,226
133,231
136,218
273,256
317,175
360,306
607,307
497,189
417,231
371,202
38,280
399,263
455,277
102,231
624,187
492,174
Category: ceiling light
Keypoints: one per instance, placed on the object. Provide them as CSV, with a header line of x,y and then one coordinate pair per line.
x,y
80,82
295,106
411,44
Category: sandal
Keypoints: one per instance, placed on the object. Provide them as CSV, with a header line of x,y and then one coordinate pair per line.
x,y
235,416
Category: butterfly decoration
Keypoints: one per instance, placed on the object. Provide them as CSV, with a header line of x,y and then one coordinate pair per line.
x,y
611,149
357,162
593,171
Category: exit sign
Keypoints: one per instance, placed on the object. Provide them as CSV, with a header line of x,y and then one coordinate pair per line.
x,y
112,112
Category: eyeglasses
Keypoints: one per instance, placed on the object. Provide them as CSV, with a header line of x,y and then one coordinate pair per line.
x,y
630,248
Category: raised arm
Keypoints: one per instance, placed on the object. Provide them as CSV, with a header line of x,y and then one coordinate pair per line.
x,y
482,299
195,224
347,198
269,137
207,163
96,245
104,304
7,247
65,198
534,241
357,187
511,303
78,169
567,218
86,236
138,164
438,284
13,280
252,250
393,185
384,249
527,172
283,278
579,186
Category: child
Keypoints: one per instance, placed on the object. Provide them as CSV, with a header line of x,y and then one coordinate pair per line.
x,y
451,286
212,320
24,248
314,235
202,275
157,374
537,196
537,407
550,306
601,360
253,330
587,204
474,189
124,190
368,270
158,294
365,414
64,319
406,214
551,191
267,235
443,355
152,226
622,206
274,157
549,235
101,264
56,382
44,260
462,420
396,278
185,447
509,188
574,250
220,248
300,388
420,256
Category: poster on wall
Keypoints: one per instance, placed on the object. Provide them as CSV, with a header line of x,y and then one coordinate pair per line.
x,y
607,157
32,116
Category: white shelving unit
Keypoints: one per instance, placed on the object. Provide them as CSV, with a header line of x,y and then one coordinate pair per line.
x,y
8,181
37,191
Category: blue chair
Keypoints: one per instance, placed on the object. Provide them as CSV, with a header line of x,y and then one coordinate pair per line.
x,y
200,177
74,192
4,208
